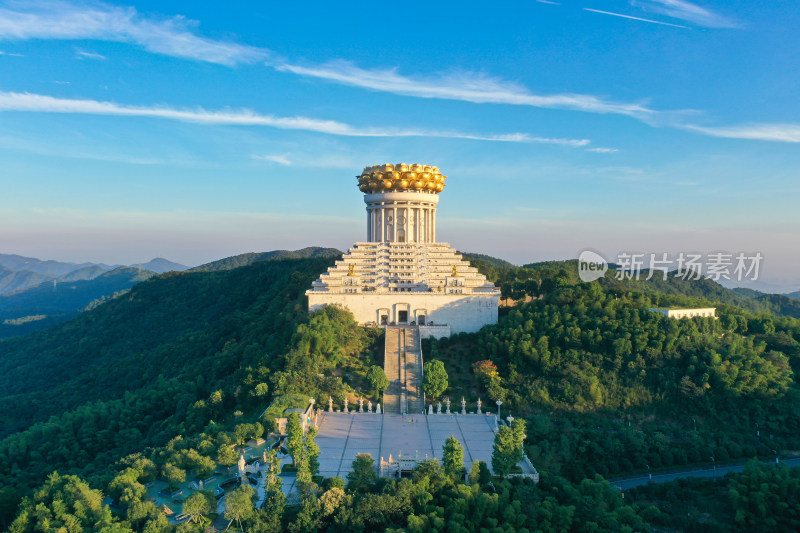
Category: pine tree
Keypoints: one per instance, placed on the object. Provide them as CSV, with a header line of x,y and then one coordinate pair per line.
x,y
453,458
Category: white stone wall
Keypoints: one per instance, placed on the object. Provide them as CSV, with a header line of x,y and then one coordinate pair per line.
x,y
688,313
462,312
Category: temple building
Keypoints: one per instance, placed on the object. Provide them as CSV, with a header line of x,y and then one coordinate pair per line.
x,y
401,275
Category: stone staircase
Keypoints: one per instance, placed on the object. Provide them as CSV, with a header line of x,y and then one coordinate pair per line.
x,y
403,366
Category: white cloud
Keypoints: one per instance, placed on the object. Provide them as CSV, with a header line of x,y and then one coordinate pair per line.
x,y
468,87
602,150
687,11
177,37
11,101
789,133
640,19
280,159
90,55
10,54
169,36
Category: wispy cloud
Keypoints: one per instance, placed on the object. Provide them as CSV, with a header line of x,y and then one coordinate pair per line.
x,y
10,54
602,150
687,11
11,101
640,19
789,133
90,55
279,159
173,36
178,37
468,87
548,2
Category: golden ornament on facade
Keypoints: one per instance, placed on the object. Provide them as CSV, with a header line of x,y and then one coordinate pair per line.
x,y
401,176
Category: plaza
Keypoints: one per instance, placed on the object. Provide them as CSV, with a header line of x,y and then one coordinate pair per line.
x,y
342,436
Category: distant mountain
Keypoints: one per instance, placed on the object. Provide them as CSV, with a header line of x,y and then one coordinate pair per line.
x,y
88,272
795,294
49,268
49,303
11,280
236,261
18,273
160,265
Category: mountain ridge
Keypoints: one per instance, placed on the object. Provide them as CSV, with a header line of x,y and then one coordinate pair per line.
x,y
246,259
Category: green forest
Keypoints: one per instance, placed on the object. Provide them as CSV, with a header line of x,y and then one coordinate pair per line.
x,y
162,381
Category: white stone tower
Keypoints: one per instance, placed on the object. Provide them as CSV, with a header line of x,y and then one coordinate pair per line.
x,y
401,275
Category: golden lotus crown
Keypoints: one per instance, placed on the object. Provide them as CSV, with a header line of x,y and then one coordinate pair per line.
x,y
399,177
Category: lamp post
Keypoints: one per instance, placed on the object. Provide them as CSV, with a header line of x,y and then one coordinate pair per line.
x,y
499,403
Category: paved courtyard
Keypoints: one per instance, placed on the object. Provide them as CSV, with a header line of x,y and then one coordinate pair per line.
x,y
342,436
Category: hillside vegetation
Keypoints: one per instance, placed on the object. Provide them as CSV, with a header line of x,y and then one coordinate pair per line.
x,y
164,379
612,387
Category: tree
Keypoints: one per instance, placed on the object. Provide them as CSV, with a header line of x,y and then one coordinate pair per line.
x,y
433,471
242,432
204,466
294,439
142,512
453,458
479,474
273,479
507,450
434,378
378,381
65,503
304,479
363,476
312,450
239,504
197,506
125,487
485,371
331,482
331,500
268,518
175,475
226,455
216,399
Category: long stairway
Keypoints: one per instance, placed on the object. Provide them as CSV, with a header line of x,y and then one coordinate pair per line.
x,y
403,366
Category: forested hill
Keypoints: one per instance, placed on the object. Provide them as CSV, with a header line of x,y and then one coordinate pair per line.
x,y
241,260
177,325
177,369
537,279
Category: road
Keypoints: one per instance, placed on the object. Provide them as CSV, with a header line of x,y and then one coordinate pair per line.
x,y
661,477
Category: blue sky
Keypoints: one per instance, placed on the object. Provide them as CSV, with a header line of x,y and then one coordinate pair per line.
x,y
195,130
